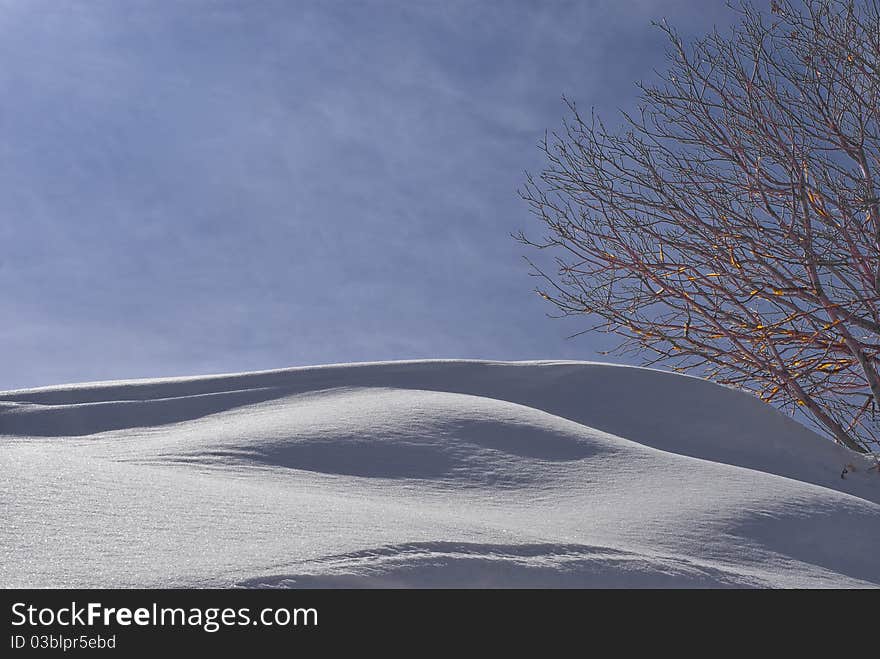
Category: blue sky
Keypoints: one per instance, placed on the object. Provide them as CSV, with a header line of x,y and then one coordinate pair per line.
x,y
197,187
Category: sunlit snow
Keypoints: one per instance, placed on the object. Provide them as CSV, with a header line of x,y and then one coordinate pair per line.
x,y
429,473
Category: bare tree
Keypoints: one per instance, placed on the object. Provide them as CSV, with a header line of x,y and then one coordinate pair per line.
x,y
732,224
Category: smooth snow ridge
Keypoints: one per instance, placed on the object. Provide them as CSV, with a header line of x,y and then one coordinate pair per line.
x,y
426,474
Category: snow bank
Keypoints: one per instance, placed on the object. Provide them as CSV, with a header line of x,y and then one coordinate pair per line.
x,y
430,473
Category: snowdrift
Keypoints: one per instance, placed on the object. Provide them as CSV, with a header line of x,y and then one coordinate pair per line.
x,y
428,473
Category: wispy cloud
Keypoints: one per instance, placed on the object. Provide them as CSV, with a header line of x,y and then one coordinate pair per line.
x,y
202,186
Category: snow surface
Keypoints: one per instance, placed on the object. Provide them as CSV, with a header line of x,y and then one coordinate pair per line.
x,y
428,473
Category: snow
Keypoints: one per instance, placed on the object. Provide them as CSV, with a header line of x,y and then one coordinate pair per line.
x,y
426,474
